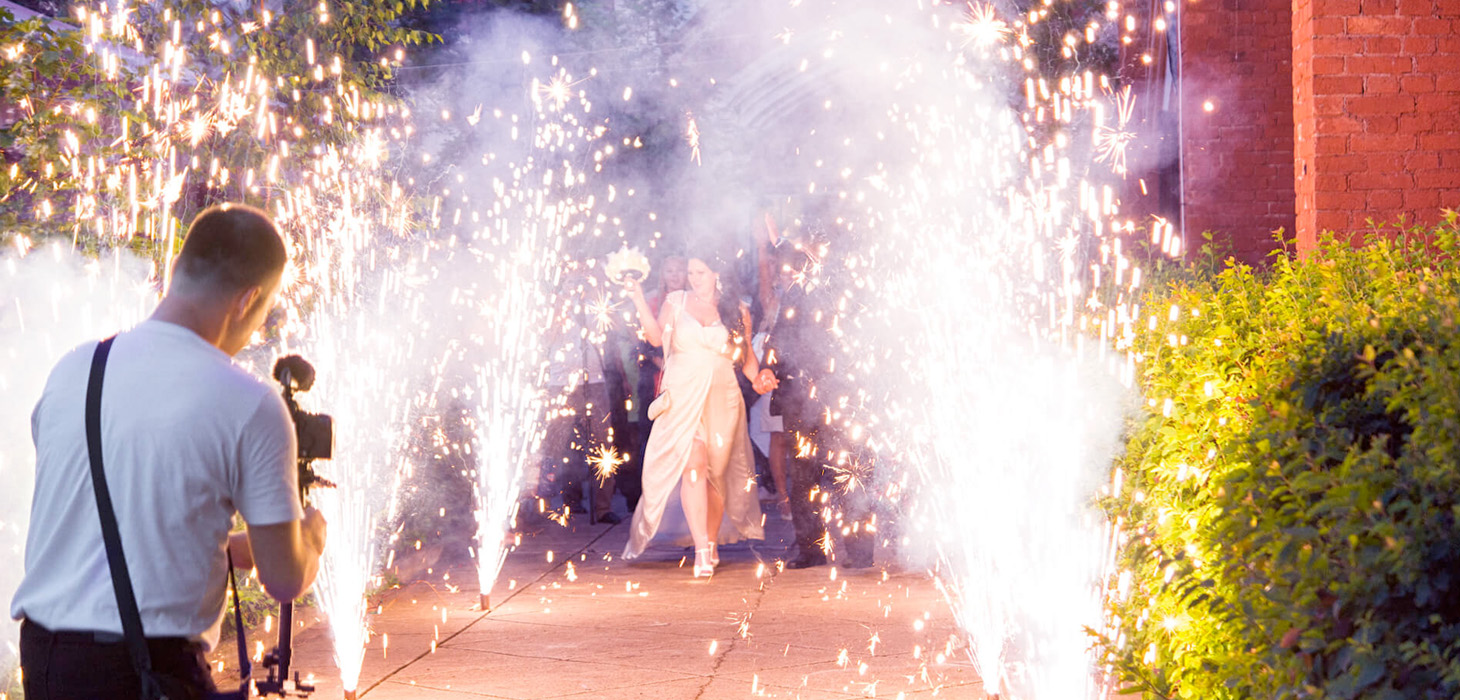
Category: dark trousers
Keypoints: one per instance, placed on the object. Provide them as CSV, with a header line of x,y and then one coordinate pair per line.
x,y
79,666
803,483
630,477
573,438
817,501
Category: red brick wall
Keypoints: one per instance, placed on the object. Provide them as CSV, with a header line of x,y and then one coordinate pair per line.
x,y
1237,156
1304,122
1377,108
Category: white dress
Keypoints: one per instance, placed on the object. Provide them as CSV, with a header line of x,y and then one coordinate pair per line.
x,y
704,404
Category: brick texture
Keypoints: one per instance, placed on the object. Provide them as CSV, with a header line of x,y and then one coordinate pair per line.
x,y
1237,125
1376,94
1306,120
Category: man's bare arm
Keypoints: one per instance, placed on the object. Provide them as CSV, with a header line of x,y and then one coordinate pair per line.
x,y
286,555
240,554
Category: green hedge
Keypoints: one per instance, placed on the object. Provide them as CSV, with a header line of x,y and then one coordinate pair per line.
x,y
1289,500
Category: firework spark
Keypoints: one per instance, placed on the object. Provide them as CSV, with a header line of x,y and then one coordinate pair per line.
x,y
1113,142
692,137
982,27
852,475
606,460
556,92
601,308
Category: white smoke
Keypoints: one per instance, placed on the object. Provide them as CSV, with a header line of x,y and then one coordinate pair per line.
x,y
51,300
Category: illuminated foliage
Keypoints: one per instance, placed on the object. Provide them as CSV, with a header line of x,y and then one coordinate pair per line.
x,y
93,120
1290,498
56,111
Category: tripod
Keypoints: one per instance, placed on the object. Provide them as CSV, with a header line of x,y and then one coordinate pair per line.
x,y
278,658
315,434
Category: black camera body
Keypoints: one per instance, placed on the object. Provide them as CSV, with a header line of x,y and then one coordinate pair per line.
x,y
316,433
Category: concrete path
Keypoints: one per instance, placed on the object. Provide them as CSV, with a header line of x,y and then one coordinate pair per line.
x,y
570,620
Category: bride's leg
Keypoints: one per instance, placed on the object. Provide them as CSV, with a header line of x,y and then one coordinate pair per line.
x,y
693,494
719,452
725,421
714,513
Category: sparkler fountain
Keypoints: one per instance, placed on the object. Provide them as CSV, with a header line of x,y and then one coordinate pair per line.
x,y
976,237
522,193
972,225
365,332
518,231
511,399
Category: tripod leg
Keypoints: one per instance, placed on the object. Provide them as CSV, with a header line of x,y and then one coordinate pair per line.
x,y
592,500
286,632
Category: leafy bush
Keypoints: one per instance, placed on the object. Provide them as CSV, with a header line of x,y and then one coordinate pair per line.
x,y
1288,504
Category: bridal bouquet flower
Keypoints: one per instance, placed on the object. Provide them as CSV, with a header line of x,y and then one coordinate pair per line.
x,y
627,263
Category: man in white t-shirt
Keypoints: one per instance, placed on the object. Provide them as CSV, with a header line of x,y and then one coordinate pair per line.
x,y
188,439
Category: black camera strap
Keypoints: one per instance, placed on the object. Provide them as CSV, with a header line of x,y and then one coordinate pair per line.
x,y
245,669
116,559
111,536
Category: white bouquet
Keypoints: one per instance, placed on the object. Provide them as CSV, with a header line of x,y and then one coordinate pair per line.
x,y
628,263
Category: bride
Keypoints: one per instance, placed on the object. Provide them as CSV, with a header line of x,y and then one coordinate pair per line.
x,y
698,456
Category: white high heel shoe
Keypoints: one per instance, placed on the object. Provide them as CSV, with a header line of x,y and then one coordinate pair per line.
x,y
714,554
704,567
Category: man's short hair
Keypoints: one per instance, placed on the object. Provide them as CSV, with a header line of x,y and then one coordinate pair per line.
x,y
232,246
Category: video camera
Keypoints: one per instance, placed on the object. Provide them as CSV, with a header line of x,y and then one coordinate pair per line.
x,y
315,431
316,437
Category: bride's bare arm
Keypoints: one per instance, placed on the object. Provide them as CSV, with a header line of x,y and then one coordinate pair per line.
x,y
653,327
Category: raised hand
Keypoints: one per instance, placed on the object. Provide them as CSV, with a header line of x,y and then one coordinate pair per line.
x,y
633,288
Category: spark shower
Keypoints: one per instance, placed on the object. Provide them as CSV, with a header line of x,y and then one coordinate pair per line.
x,y
964,179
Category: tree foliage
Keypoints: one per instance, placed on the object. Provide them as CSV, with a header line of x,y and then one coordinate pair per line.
x,y
213,99
1290,500
59,109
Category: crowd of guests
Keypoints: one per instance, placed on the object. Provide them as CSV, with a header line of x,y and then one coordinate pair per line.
x,y
703,411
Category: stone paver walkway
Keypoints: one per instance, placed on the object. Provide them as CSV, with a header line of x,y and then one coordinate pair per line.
x,y
570,620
